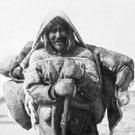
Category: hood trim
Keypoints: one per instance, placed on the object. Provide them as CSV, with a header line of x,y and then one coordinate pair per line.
x,y
48,18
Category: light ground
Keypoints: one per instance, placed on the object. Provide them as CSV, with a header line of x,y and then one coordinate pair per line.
x,y
125,127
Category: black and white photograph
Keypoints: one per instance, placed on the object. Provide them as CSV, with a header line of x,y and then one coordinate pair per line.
x,y
67,67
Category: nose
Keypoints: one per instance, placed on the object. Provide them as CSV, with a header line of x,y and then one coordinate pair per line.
x,y
57,34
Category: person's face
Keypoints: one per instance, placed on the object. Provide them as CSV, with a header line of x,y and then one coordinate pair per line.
x,y
58,36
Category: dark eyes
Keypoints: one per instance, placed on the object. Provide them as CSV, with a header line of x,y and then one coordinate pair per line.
x,y
54,30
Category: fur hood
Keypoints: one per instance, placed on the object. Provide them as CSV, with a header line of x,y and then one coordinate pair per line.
x,y
73,33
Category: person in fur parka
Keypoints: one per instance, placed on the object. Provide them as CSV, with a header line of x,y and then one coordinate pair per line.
x,y
66,67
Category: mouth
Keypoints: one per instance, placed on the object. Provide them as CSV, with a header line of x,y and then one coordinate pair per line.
x,y
59,42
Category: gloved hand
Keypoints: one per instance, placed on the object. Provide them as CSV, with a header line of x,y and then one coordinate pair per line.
x,y
72,70
65,87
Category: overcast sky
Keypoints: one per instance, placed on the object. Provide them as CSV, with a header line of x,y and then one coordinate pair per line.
x,y
106,23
